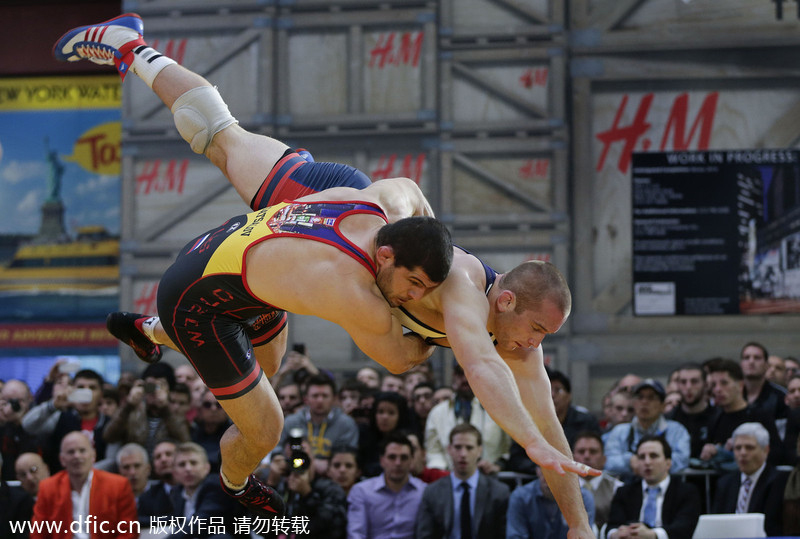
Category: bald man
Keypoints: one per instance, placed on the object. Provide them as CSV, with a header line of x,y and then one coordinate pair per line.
x,y
104,500
31,470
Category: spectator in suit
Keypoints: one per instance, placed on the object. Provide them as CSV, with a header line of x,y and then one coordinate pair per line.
x,y
657,506
30,470
99,496
198,493
467,503
133,464
16,504
756,486
533,512
622,440
15,401
727,380
759,392
589,450
695,411
155,501
386,506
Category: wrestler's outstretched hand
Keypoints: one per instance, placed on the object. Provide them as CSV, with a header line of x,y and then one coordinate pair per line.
x,y
584,532
549,458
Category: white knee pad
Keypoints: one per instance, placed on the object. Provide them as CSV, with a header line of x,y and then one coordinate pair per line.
x,y
200,114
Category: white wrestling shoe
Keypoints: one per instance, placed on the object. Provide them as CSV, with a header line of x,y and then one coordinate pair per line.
x,y
106,43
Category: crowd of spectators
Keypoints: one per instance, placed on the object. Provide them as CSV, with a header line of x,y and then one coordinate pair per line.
x,y
375,455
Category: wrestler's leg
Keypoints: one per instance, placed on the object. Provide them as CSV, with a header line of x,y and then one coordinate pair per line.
x,y
252,435
269,356
200,114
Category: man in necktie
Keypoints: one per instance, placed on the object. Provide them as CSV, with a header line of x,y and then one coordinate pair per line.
x,y
466,504
755,486
659,506
744,495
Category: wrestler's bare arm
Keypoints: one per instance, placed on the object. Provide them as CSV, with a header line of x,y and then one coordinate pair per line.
x,y
361,311
399,197
531,378
465,312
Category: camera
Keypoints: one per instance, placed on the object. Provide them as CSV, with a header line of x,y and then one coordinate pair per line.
x,y
15,405
300,348
80,395
150,388
299,461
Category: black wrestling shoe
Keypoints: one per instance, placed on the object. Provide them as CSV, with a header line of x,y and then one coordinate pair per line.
x,y
262,500
127,327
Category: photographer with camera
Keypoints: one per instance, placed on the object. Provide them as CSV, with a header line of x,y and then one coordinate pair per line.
x,y
324,424
144,417
306,493
75,405
15,400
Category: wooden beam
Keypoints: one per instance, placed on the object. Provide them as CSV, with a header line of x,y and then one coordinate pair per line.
x,y
503,94
490,179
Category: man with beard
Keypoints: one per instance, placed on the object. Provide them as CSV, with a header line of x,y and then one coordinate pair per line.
x,y
695,412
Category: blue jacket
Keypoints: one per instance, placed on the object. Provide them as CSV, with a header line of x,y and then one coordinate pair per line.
x,y
620,444
531,515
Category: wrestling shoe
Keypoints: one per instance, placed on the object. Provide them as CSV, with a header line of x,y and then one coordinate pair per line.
x,y
262,500
127,327
106,43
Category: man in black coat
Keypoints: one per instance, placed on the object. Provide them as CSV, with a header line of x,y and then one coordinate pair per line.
x,y
656,502
198,495
756,487
442,511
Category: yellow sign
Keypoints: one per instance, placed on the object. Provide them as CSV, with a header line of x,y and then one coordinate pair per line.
x,y
56,93
98,149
